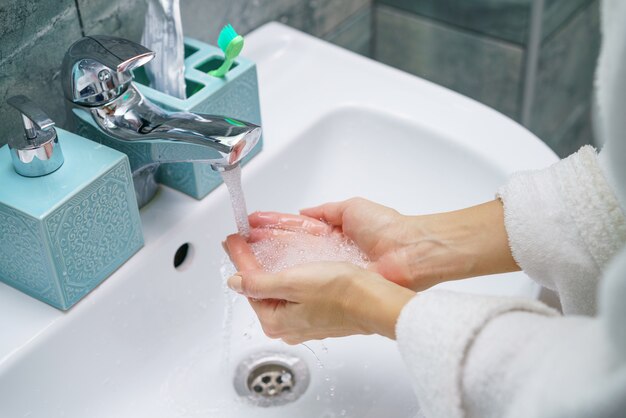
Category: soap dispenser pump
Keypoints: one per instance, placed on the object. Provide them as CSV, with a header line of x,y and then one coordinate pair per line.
x,y
38,152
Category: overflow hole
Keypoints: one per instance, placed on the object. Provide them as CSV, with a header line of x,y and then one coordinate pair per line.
x,y
182,254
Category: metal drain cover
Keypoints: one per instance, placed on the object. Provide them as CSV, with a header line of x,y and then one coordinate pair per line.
x,y
271,378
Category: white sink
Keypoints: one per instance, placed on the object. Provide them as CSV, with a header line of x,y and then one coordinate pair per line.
x,y
149,342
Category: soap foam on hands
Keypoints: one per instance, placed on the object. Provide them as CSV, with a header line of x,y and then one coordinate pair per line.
x,y
292,249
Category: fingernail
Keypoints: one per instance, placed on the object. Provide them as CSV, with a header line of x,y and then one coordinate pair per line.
x,y
234,283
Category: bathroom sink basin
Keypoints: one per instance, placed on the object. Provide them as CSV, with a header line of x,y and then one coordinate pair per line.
x,y
156,340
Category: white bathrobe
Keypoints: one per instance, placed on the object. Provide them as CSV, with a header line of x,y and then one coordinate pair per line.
x,y
480,356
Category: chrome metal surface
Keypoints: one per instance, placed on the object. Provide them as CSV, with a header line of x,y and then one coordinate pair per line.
x,y
97,83
195,137
222,168
271,378
96,68
37,152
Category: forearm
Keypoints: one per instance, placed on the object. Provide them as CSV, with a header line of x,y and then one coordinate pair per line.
x,y
460,244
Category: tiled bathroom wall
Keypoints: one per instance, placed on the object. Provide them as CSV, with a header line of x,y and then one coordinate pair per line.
x,y
530,59
34,35
533,60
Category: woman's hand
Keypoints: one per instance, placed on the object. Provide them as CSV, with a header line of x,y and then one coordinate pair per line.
x,y
317,300
416,252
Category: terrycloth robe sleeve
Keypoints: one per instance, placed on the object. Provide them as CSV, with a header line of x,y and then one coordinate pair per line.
x,y
526,365
482,357
564,224
472,356
435,331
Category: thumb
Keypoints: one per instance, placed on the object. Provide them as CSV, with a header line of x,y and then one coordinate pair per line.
x,y
261,285
331,213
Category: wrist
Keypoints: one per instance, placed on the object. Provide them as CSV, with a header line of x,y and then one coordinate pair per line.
x,y
461,244
377,304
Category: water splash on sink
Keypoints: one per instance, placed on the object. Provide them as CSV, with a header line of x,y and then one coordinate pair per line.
x,y
230,297
232,180
196,386
319,361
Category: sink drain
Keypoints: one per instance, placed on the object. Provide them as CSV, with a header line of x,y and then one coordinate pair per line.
x,y
271,378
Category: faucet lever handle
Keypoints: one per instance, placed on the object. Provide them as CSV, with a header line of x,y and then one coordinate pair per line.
x,y
121,54
96,69
33,117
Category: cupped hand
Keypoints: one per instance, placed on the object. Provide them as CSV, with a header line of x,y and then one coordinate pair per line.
x,y
321,300
385,236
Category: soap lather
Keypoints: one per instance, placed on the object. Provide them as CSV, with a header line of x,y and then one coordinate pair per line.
x,y
37,152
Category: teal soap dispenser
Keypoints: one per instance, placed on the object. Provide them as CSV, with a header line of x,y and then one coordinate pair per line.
x,y
68,212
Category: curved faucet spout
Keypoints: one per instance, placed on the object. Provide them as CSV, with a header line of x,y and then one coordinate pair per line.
x,y
177,136
98,86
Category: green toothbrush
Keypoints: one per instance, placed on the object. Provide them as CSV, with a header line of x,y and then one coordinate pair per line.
x,y
231,43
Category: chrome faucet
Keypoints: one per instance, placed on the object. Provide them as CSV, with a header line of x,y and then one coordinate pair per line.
x,y
97,83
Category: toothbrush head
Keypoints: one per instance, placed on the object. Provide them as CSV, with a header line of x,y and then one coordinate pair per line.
x,y
230,41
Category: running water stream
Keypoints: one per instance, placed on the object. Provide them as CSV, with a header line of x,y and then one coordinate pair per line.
x,y
163,34
232,180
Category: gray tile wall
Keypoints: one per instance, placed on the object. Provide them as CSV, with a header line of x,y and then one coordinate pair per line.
x,y
34,35
485,68
561,108
481,47
502,19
